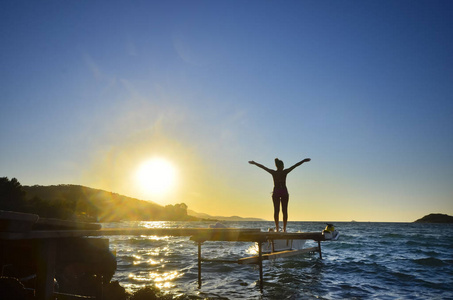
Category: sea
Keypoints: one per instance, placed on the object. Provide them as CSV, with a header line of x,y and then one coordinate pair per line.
x,y
368,261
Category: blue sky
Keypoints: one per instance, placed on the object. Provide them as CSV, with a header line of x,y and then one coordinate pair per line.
x,y
364,88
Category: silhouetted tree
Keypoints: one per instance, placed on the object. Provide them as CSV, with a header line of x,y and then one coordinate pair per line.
x,y
180,211
177,212
12,197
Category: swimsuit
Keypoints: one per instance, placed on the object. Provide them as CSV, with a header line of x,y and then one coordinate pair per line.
x,y
280,192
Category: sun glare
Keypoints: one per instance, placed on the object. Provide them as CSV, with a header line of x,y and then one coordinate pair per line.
x,y
156,177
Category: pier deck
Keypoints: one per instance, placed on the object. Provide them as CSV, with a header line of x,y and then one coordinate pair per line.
x,y
202,234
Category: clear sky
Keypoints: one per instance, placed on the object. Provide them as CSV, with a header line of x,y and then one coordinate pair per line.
x,y
90,90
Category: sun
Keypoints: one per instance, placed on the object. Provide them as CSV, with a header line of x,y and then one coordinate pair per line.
x,y
156,177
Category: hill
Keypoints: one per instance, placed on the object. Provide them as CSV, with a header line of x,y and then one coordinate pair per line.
x,y
435,218
104,206
220,218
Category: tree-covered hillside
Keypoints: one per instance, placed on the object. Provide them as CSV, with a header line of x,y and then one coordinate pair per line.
x,y
75,202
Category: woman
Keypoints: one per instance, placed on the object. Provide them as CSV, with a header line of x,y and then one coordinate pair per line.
x,y
280,193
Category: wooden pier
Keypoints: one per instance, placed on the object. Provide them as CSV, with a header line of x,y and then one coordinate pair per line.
x,y
45,242
259,237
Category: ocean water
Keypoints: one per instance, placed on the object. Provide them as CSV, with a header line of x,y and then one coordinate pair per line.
x,y
368,261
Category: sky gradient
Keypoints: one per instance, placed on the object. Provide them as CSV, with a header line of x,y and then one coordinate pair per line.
x,y
89,90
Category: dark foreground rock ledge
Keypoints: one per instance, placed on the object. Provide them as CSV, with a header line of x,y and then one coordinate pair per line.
x,y
435,218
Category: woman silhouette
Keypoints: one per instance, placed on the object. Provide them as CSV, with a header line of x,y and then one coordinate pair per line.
x,y
280,193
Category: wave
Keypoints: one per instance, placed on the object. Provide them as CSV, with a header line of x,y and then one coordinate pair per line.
x,y
393,236
429,262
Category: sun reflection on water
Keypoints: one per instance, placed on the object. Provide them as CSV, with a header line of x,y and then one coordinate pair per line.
x,y
155,238
161,280
154,224
137,257
253,250
154,262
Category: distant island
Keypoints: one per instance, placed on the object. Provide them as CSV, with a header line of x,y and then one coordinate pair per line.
x,y
81,203
435,218
221,218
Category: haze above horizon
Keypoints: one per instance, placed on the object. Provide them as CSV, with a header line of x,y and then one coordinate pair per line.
x,y
94,91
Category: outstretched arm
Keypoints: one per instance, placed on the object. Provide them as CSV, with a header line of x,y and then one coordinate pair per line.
x,y
260,166
298,164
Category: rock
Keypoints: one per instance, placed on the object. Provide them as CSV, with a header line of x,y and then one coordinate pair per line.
x,y
114,291
217,225
12,289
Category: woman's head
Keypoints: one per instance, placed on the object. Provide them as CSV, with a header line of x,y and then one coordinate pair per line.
x,y
279,164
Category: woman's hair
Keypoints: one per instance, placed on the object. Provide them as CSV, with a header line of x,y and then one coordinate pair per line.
x,y
279,164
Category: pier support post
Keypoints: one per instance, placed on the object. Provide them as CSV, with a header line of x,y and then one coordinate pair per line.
x,y
319,249
260,264
46,252
199,264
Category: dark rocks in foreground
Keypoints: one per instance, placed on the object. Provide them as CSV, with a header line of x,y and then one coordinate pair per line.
x,y
436,218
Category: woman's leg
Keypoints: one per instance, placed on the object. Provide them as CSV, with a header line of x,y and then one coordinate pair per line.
x,y
285,200
276,201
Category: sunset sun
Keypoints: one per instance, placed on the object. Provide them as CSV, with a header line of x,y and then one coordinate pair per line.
x,y
156,177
